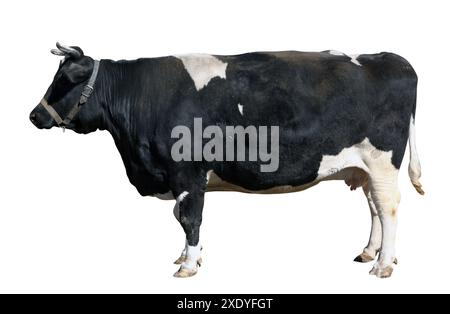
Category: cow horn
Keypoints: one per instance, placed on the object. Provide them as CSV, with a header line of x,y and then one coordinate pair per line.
x,y
68,50
57,52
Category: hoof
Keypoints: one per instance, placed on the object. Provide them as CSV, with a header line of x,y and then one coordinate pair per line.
x,y
363,258
180,260
382,272
185,272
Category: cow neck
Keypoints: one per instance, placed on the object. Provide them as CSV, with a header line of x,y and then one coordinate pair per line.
x,y
120,101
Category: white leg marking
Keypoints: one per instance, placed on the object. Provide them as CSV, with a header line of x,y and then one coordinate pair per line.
x,y
192,257
386,197
241,109
374,244
202,68
190,263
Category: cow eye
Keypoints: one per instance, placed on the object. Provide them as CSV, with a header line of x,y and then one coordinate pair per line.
x,y
61,87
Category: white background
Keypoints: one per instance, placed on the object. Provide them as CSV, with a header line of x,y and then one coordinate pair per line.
x,y
71,222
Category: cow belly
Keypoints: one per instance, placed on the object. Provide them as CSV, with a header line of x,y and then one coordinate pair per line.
x,y
352,165
215,183
353,177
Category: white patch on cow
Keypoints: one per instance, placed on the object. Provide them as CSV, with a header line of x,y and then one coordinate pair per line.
x,y
192,257
380,175
181,197
364,156
165,197
355,59
208,176
202,68
176,208
336,53
241,109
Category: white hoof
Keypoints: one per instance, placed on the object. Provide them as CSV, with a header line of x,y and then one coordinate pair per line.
x,y
381,272
185,272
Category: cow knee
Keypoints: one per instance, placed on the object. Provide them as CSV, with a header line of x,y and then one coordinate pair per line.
x,y
191,227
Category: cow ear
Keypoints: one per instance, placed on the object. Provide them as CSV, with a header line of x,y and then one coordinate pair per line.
x,y
80,51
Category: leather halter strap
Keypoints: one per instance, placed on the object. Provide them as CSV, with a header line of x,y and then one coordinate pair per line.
x,y
85,94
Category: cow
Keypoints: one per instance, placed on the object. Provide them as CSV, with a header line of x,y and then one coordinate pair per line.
x,y
337,117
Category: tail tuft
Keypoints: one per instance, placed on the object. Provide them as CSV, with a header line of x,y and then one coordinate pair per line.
x,y
414,169
418,187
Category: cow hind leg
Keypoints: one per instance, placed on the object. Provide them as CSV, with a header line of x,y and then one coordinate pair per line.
x,y
385,195
371,250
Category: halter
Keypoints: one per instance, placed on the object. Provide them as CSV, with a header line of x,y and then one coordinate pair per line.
x,y
85,94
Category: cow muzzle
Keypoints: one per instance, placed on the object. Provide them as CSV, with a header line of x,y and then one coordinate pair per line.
x,y
41,119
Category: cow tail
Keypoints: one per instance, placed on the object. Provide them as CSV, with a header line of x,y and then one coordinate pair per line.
x,y
414,170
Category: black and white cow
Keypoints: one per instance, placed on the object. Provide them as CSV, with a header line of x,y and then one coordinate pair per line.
x,y
339,117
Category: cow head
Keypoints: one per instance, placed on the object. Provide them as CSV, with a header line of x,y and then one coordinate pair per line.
x,y
65,91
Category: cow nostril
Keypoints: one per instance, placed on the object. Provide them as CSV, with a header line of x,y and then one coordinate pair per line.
x,y
33,117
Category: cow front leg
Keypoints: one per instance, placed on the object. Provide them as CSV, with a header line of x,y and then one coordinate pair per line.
x,y
176,213
190,208
373,247
386,197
